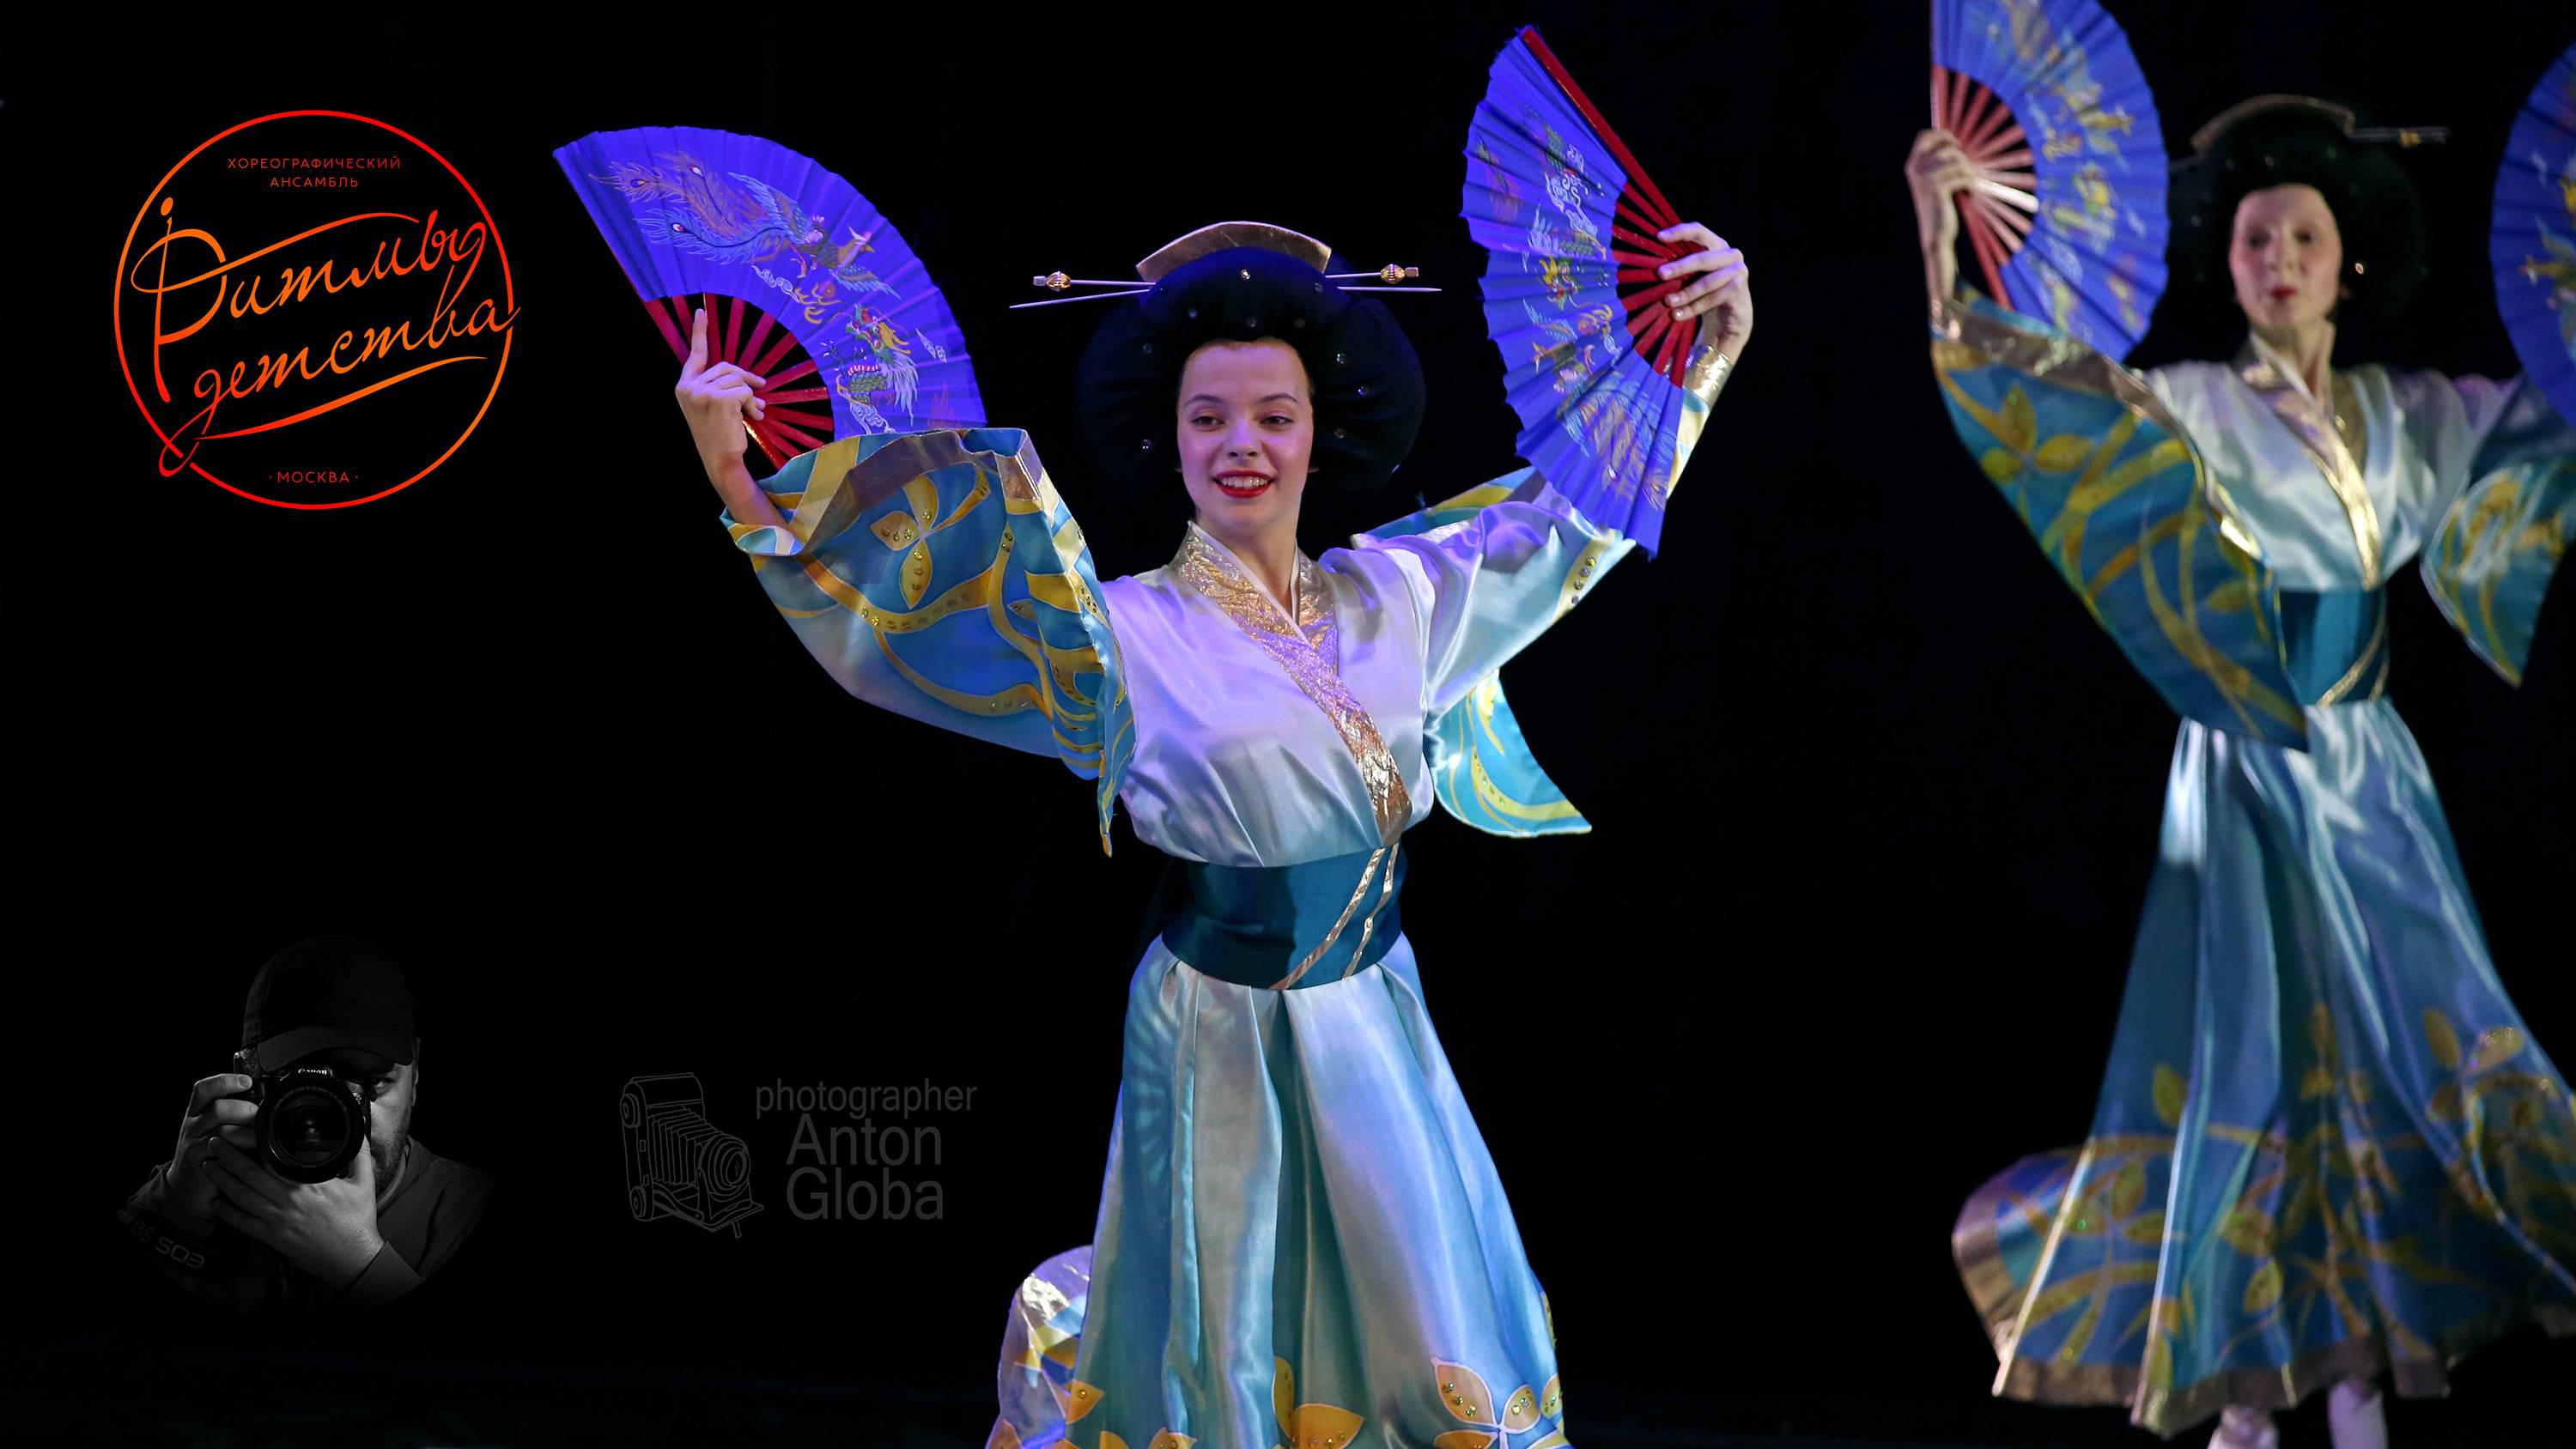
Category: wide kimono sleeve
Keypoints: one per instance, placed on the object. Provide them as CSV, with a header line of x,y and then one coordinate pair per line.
x,y
1485,573
2490,505
938,575
1488,571
2122,505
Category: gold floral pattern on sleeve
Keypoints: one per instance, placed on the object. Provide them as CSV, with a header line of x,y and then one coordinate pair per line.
x,y
939,575
2102,475
2489,563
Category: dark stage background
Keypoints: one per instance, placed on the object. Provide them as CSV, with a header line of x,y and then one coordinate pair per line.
x,y
1875,803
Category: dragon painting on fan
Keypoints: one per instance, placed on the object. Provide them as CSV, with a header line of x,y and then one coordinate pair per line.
x,y
2325,1147
808,287
1275,723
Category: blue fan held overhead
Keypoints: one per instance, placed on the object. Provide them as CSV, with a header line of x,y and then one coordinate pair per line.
x,y
2067,221
1592,360
804,283
2533,245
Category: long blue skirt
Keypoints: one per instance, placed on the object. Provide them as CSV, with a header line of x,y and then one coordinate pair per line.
x,y
1302,1240
2326,1145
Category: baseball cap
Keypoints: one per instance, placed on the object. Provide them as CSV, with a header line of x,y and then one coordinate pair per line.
x,y
324,993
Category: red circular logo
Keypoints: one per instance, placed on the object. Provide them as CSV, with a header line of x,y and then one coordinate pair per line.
x,y
313,310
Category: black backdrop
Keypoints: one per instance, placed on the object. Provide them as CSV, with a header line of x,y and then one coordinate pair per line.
x,y
1875,803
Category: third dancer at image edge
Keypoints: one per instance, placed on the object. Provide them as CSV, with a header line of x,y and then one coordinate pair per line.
x,y
2326,1148
1302,1236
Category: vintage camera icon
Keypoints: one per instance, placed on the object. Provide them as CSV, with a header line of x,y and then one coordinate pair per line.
x,y
678,1164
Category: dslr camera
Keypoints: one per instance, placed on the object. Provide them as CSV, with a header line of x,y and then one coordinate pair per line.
x,y
312,1121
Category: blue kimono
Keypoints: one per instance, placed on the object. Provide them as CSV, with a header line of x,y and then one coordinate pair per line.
x,y
1302,1237
2326,1146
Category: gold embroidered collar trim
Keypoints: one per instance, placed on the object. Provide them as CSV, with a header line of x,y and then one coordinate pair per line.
x,y
2335,441
1212,569
1306,642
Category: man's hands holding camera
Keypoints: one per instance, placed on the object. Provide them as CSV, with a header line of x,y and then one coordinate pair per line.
x,y
326,1228
216,1115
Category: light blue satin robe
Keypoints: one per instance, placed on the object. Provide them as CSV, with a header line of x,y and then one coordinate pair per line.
x,y
1302,1237
2325,1145
1299,1210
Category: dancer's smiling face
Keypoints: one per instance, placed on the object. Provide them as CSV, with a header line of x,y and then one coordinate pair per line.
x,y
2286,257
1247,429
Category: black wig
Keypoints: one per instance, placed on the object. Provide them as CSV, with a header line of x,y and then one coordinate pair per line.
x,y
2285,140
1368,392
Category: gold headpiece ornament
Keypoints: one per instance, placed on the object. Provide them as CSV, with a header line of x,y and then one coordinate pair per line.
x,y
2341,117
1224,235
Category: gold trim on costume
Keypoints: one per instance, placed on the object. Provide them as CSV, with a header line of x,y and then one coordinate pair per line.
x,y
1308,648
1708,373
1368,922
2352,676
1368,874
1579,575
842,486
2304,1152
2170,1411
2324,443
1505,806
969,593
1313,1422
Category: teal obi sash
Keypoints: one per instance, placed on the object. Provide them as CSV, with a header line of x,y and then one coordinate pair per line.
x,y
2335,644
1281,926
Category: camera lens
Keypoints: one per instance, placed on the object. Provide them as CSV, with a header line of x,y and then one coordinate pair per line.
x,y
312,1130
307,1133
727,1166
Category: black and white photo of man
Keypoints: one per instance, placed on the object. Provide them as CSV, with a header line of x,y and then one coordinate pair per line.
x,y
298,1215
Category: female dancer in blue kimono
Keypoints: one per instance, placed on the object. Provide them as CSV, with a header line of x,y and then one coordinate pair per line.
x,y
2326,1147
1302,1238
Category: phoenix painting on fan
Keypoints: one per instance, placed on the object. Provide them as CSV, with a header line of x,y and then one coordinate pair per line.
x,y
817,267
2325,1148
1301,1232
